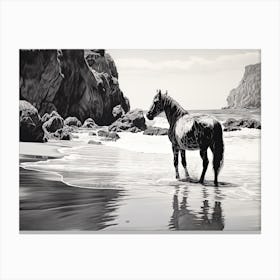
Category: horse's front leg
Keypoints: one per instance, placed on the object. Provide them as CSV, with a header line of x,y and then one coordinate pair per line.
x,y
184,163
175,154
203,154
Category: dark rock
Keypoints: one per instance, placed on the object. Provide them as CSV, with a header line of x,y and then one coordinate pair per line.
x,y
45,117
134,129
118,111
63,133
230,122
119,126
72,121
94,142
65,137
156,131
47,107
133,121
89,123
71,128
107,135
234,124
102,133
228,129
137,118
101,62
40,78
92,133
30,123
81,83
53,124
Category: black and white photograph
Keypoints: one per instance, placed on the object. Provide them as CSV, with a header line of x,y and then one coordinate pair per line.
x,y
140,140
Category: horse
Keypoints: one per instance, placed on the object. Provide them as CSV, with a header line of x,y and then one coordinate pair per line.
x,y
190,132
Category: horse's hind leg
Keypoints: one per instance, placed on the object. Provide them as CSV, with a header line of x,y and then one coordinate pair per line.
x,y
203,154
216,167
184,163
217,161
175,154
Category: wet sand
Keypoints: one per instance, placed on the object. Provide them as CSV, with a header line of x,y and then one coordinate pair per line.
x,y
48,204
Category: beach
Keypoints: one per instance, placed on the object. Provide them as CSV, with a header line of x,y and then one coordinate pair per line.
x,y
129,185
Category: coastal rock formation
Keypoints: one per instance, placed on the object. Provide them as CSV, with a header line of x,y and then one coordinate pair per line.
x,y
89,123
78,83
233,124
53,124
133,121
151,130
72,121
248,92
55,127
36,129
30,123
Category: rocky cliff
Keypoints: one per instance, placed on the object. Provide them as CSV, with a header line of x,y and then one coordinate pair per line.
x,y
248,92
76,83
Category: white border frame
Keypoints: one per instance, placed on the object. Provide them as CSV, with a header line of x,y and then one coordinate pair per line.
x,y
155,24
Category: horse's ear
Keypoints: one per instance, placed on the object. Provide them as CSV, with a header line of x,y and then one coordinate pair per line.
x,y
166,93
159,94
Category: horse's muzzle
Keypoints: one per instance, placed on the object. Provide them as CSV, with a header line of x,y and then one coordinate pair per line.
x,y
149,116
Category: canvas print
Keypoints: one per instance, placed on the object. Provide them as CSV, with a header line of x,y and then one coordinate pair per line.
x,y
140,140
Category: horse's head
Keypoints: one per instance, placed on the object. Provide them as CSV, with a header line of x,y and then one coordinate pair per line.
x,y
157,106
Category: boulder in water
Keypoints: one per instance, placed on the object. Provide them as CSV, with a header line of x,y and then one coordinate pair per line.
x,y
232,124
107,135
62,134
92,133
234,128
94,142
133,121
72,121
53,124
156,131
89,123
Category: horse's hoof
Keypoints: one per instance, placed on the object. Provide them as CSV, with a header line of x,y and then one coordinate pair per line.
x,y
188,179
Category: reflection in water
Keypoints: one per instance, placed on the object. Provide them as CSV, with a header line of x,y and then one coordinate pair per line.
x,y
47,204
185,219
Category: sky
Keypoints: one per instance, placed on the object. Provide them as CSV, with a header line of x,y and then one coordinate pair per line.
x,y
197,79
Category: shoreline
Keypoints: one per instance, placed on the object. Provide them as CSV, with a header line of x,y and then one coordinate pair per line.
x,y
129,186
48,149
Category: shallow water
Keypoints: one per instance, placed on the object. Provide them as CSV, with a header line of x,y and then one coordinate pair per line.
x,y
137,174
129,185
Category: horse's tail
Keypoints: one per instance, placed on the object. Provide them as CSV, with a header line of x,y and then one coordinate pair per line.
x,y
218,146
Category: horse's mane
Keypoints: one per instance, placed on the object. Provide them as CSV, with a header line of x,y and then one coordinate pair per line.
x,y
175,107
